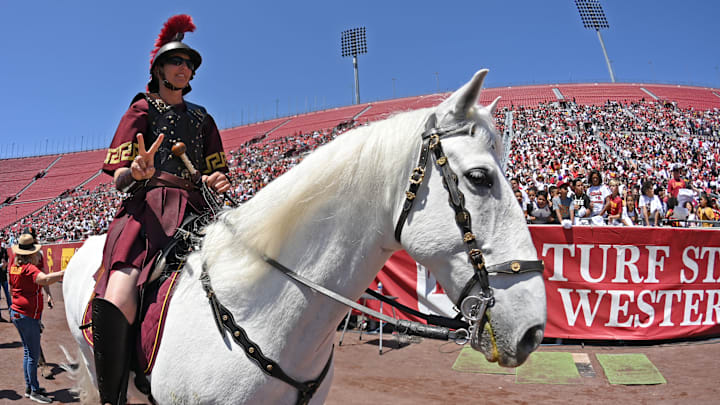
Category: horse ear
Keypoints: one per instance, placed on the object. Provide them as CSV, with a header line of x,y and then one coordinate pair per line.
x,y
464,99
493,106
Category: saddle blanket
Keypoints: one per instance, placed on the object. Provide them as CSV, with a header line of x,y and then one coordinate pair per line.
x,y
155,304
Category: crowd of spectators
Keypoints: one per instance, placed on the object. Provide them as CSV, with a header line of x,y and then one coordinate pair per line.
x,y
630,148
71,217
634,145
81,213
257,163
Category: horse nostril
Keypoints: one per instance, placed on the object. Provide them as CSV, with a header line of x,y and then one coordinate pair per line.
x,y
529,342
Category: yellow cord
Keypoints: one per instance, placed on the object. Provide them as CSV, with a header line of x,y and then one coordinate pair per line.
x,y
488,328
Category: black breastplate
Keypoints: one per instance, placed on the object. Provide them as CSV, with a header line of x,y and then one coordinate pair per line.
x,y
178,126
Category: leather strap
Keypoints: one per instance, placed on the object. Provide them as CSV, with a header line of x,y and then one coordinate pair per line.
x,y
165,179
453,323
225,321
401,325
429,139
416,179
431,142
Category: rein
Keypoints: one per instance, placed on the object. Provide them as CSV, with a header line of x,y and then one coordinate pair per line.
x,y
401,325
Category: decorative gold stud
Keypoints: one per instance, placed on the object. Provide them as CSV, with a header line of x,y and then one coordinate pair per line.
x,y
515,266
420,172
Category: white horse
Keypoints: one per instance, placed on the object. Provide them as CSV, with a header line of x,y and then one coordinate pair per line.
x,y
331,219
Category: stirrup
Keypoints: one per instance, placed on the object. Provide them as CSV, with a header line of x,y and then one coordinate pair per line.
x,y
111,332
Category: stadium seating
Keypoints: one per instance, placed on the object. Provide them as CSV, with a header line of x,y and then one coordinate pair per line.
x,y
12,213
518,96
318,120
67,173
68,198
15,174
382,109
599,94
699,98
234,137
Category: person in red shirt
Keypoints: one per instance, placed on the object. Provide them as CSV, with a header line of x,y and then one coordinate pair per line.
x,y
613,205
42,263
26,281
676,182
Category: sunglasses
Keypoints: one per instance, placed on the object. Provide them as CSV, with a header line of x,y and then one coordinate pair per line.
x,y
177,61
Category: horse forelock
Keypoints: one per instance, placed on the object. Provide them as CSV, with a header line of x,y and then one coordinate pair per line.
x,y
368,164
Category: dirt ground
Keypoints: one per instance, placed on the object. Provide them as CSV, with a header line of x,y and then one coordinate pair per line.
x,y
421,373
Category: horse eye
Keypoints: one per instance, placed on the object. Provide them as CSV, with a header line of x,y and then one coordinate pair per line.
x,y
479,177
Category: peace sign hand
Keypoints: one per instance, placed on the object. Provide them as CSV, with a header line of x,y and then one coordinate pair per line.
x,y
143,167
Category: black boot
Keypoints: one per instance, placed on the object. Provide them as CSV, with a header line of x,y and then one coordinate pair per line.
x,y
111,333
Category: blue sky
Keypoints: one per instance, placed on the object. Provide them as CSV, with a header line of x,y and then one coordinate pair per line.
x,y
69,69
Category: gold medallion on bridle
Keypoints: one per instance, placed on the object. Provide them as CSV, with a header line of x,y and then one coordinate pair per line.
x,y
420,173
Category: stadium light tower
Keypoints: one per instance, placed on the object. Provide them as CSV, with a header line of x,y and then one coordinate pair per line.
x,y
593,17
353,43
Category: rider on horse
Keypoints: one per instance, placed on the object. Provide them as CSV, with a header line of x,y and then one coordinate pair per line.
x,y
163,190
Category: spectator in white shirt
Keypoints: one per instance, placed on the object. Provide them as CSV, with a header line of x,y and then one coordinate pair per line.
x,y
649,204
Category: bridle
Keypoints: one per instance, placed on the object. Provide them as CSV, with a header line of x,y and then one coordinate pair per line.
x,y
472,307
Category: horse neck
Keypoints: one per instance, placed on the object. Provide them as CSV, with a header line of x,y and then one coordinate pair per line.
x,y
329,219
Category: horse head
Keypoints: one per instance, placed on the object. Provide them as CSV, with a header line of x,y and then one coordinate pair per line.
x,y
513,324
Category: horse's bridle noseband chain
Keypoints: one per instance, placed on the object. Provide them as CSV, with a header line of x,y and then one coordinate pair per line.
x,y
472,307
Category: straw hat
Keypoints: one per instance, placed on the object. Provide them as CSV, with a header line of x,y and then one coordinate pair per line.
x,y
26,245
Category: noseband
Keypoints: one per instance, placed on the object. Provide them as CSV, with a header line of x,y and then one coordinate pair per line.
x,y
472,307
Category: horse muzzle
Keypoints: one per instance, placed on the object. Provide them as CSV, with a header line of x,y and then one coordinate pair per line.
x,y
506,352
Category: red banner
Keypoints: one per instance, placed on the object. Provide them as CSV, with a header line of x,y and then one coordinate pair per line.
x,y
609,283
630,283
56,256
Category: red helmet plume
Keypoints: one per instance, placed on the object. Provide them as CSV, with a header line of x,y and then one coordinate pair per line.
x,y
173,30
170,41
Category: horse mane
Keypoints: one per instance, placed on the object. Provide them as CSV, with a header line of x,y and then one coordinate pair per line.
x,y
366,163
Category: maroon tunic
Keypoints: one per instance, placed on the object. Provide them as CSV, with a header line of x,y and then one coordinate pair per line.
x,y
147,220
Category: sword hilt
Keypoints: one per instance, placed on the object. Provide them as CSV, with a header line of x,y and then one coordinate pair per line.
x,y
179,150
